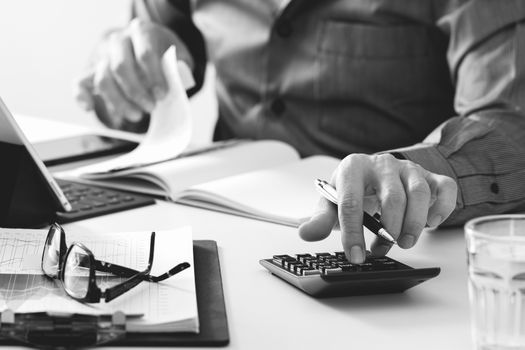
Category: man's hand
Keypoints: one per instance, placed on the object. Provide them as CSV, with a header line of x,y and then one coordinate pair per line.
x,y
407,196
126,73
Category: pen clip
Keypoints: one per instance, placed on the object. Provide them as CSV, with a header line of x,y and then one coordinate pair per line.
x,y
319,185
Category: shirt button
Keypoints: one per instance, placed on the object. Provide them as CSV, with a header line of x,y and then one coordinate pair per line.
x,y
494,188
284,28
278,107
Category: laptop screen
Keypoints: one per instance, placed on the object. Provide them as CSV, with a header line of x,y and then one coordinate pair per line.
x,y
14,142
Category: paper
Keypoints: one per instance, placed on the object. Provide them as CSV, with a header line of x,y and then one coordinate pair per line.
x,y
170,127
284,194
23,287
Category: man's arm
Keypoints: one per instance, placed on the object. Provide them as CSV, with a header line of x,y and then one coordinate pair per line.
x,y
483,149
176,15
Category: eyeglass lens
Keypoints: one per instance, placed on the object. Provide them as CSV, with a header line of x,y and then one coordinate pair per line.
x,y
51,254
76,272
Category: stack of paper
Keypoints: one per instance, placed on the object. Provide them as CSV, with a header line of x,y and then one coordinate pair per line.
x,y
167,306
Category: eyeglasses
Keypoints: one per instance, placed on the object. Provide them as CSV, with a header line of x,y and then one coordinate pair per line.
x,y
76,268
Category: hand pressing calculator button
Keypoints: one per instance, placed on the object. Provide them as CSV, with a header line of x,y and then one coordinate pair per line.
x,y
332,275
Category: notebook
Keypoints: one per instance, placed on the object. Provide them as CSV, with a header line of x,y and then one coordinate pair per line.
x,y
168,306
264,180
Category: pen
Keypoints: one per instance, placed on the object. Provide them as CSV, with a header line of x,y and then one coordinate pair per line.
x,y
329,192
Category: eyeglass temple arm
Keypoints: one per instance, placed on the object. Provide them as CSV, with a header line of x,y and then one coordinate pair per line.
x,y
115,269
115,291
119,289
123,271
175,270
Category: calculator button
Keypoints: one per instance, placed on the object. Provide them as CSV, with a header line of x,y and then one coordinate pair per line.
x,y
332,270
347,266
307,260
301,256
340,255
291,265
287,264
298,269
366,266
322,255
311,272
280,259
381,259
389,265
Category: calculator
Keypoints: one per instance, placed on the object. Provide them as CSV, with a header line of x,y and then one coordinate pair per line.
x,y
332,275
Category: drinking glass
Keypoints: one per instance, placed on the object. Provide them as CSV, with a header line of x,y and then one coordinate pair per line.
x,y
496,271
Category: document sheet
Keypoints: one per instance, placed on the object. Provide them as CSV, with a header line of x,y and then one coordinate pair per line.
x,y
170,128
170,305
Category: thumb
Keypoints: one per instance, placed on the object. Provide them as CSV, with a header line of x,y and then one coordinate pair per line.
x,y
321,223
83,91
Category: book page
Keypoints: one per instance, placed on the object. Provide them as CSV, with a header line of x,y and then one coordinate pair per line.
x,y
169,132
285,194
177,175
222,163
164,306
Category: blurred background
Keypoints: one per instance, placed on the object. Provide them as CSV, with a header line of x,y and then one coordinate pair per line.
x,y
44,47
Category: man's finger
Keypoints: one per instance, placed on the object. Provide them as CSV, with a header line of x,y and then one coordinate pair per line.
x,y
116,105
148,59
125,73
321,223
83,91
350,192
380,247
446,194
393,202
418,199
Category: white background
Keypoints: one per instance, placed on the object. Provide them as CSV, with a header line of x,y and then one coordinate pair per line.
x,y
44,47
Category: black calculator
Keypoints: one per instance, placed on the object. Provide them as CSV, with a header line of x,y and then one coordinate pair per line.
x,y
332,275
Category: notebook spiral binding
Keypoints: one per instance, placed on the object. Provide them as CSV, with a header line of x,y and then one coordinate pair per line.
x,y
63,331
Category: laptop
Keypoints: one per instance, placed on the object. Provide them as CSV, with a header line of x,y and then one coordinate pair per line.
x,y
31,197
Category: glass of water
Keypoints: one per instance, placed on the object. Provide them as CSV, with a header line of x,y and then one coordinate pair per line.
x,y
496,267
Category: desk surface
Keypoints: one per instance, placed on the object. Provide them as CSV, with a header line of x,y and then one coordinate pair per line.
x,y
264,312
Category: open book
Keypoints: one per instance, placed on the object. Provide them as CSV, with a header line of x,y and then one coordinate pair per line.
x,y
264,180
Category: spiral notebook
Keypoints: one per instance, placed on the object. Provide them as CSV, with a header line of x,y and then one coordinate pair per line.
x,y
200,322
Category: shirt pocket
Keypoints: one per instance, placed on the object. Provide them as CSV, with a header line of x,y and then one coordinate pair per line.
x,y
381,77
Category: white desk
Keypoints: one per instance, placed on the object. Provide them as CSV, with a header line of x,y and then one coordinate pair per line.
x,y
265,312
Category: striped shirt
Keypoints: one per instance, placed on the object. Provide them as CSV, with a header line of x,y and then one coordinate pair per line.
x,y
440,81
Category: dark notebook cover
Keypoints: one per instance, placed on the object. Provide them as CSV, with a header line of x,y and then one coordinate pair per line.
x,y
210,303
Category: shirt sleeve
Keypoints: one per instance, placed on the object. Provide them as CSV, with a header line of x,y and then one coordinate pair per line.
x,y
176,15
483,147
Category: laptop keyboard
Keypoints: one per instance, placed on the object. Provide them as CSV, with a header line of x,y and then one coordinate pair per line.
x,y
90,201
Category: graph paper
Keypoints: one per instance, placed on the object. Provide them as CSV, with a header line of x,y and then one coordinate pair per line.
x,y
23,288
